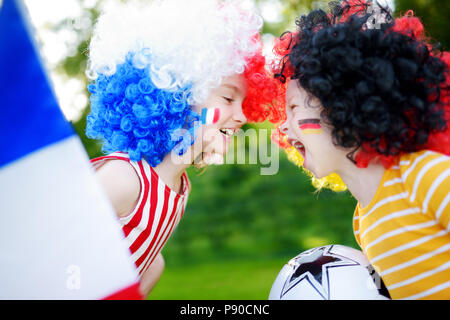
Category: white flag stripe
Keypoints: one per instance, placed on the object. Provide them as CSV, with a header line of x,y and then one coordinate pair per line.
x,y
442,206
154,228
210,116
405,162
433,188
409,245
400,231
158,211
389,217
173,223
421,174
127,219
429,292
421,276
392,182
65,224
423,257
385,201
415,163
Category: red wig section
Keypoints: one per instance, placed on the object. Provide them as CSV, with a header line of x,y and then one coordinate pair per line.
x,y
353,7
265,95
412,27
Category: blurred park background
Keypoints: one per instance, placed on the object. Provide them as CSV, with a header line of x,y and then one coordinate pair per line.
x,y
240,227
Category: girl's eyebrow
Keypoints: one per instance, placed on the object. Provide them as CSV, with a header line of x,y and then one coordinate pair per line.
x,y
315,120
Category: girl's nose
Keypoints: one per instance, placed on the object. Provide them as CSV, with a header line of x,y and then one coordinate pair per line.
x,y
239,116
284,127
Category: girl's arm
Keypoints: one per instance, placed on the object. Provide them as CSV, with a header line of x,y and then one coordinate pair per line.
x,y
121,184
152,275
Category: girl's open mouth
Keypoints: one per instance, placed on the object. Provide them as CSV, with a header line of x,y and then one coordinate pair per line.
x,y
297,145
228,132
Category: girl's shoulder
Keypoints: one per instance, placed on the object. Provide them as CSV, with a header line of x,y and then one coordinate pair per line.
x,y
120,181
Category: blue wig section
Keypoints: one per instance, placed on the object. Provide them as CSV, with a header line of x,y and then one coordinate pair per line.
x,y
130,114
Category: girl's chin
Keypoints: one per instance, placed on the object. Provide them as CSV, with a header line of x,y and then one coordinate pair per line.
x,y
308,167
226,143
214,153
317,174
221,146
213,158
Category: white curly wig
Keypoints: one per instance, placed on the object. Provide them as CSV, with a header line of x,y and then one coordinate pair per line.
x,y
191,43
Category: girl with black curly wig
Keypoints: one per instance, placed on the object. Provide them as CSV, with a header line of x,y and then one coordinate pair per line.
x,y
367,98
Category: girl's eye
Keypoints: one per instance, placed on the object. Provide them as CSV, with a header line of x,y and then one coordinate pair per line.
x,y
229,100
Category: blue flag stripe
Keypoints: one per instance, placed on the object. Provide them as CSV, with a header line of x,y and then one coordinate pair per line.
x,y
30,117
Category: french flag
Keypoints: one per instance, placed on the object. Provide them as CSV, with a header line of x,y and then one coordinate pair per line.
x,y
59,237
210,116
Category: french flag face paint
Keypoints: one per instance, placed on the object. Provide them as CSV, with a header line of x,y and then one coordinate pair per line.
x,y
310,126
210,115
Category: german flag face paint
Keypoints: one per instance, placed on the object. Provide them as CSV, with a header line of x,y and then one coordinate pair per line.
x,y
310,126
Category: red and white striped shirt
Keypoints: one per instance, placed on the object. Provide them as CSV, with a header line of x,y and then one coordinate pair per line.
x,y
156,215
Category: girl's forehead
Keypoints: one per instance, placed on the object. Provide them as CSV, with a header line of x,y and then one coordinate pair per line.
x,y
296,94
236,83
294,87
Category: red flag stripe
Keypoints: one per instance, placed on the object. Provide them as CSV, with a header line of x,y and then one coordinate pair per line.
x,y
129,293
216,115
310,126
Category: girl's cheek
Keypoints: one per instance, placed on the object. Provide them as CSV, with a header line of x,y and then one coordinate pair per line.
x,y
295,129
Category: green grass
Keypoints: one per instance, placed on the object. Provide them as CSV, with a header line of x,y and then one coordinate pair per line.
x,y
228,280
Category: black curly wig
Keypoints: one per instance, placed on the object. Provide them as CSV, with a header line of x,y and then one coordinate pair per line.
x,y
381,90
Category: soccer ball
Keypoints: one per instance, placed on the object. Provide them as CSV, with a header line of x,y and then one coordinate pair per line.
x,y
332,272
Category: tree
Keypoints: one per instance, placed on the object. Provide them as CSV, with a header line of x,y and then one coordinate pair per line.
x,y
434,15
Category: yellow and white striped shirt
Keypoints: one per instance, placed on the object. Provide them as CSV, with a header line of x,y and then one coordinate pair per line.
x,y
404,231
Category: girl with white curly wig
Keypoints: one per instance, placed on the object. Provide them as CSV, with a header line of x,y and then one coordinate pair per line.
x,y
172,81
